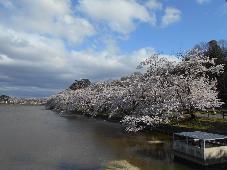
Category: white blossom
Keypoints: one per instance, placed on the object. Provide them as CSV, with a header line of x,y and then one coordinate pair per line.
x,y
164,91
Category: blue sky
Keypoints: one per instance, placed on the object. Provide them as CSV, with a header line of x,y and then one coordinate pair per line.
x,y
45,45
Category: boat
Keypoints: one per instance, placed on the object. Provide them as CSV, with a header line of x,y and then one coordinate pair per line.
x,y
200,147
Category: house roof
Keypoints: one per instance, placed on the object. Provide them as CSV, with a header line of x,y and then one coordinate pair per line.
x,y
202,135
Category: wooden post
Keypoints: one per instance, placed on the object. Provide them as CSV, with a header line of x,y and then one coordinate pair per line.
x,y
204,144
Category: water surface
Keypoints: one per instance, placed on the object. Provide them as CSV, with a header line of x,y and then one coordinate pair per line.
x,y
34,138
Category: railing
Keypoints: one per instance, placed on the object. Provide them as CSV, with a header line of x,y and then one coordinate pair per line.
x,y
184,148
215,152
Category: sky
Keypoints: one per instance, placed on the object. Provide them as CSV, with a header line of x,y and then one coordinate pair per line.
x,y
47,44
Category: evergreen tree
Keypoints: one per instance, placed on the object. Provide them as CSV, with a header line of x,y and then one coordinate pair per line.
x,y
218,50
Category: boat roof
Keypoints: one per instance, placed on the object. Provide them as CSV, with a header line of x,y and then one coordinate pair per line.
x,y
201,135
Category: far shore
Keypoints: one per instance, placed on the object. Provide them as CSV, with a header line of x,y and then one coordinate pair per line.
x,y
22,101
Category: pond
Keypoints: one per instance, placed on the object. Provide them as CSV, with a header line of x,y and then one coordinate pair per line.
x,y
35,138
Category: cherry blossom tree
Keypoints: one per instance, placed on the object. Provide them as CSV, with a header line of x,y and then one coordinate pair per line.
x,y
162,91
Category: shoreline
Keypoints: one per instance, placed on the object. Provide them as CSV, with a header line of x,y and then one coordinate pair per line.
x,y
215,125
212,125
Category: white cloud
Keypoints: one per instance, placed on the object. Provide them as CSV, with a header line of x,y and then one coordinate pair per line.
x,y
202,1
39,40
53,17
154,4
171,16
34,61
121,15
5,59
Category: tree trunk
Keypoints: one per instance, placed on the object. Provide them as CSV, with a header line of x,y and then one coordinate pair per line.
x,y
192,116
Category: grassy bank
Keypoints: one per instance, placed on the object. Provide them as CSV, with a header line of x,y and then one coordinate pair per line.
x,y
215,125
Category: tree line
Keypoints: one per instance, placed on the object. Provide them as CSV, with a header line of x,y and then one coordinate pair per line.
x,y
163,90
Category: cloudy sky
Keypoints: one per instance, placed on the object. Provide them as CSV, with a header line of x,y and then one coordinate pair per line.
x,y
46,44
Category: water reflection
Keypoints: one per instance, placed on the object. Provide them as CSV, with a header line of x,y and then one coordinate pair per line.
x,y
34,138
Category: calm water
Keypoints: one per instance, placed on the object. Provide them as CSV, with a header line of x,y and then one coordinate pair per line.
x,y
34,138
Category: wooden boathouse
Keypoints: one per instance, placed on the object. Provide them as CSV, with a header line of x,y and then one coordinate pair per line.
x,y
200,147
